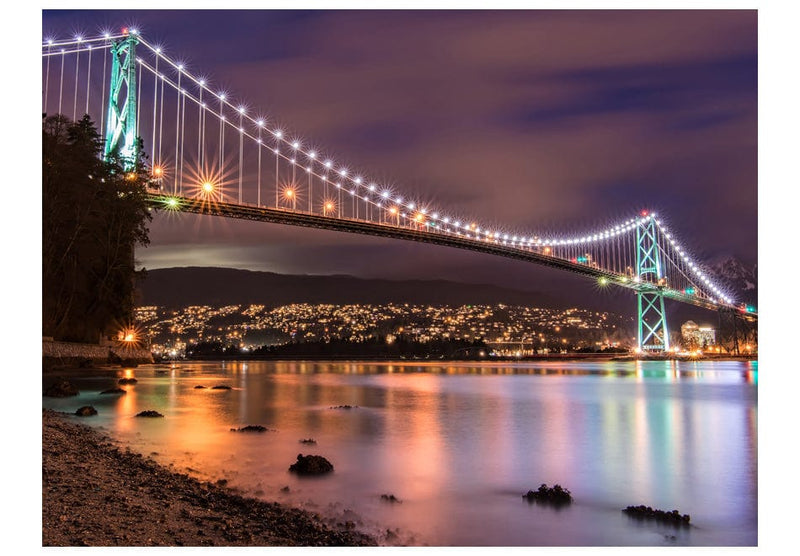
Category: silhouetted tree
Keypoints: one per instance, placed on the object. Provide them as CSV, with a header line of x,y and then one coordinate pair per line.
x,y
93,214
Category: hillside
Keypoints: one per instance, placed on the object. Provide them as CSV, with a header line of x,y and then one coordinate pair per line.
x,y
180,287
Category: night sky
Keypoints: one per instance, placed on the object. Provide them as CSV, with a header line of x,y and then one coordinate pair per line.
x,y
534,120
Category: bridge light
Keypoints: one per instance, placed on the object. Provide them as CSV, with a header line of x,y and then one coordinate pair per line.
x,y
689,291
208,187
328,164
295,145
241,109
603,281
278,133
372,187
312,155
393,210
358,181
158,171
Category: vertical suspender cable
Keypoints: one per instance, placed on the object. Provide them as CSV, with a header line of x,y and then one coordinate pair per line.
x,y
61,83
183,140
200,132
259,166
103,95
155,107
177,133
88,79
277,154
241,147
138,96
221,147
161,125
46,81
75,97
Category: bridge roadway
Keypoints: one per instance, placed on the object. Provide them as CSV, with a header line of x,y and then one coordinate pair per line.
x,y
356,226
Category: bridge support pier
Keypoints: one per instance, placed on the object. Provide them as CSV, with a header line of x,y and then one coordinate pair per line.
x,y
653,331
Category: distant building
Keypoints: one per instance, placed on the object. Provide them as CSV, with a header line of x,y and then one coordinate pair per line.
x,y
697,337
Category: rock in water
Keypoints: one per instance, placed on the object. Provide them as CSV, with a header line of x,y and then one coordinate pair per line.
x,y
114,391
86,411
311,465
556,495
646,512
61,389
250,428
127,381
221,387
149,413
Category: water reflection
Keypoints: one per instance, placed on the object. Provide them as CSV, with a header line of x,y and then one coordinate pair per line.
x,y
460,443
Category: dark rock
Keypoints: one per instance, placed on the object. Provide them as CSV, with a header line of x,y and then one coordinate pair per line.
x,y
646,512
308,441
390,498
149,413
555,495
344,407
285,489
199,386
86,411
114,391
127,381
61,389
221,387
311,465
222,482
251,428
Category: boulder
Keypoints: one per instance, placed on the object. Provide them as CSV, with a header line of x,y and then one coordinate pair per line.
x,y
308,441
127,381
221,387
646,512
114,391
86,411
199,386
556,495
149,413
344,407
61,389
251,428
390,498
311,465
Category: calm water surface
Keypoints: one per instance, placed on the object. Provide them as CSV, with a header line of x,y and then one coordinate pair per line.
x,y
459,444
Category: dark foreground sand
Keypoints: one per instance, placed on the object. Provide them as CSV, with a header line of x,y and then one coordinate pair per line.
x,y
95,494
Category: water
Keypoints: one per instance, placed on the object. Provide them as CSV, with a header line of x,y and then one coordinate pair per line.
x,y
459,444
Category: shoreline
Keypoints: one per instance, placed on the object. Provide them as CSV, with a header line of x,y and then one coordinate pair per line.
x,y
95,493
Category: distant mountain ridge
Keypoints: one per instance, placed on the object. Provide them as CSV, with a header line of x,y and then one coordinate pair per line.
x,y
740,278
184,286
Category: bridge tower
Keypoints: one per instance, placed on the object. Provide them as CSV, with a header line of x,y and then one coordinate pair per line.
x,y
653,331
121,130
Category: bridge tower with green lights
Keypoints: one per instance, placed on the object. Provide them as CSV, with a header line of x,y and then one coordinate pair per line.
x,y
121,130
653,334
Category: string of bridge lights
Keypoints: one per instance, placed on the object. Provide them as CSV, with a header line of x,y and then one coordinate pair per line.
x,y
394,202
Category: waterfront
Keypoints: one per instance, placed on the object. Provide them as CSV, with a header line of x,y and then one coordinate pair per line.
x,y
459,444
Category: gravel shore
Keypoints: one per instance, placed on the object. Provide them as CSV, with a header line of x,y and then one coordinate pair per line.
x,y
96,494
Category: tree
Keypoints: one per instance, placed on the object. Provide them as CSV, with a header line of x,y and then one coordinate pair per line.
x,y
93,214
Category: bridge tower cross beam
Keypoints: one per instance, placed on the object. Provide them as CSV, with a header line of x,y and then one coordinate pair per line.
x,y
121,132
653,333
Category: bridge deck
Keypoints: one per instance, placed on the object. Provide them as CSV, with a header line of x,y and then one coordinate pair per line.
x,y
349,225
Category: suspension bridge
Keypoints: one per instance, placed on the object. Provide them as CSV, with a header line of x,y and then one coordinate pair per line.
x,y
211,155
